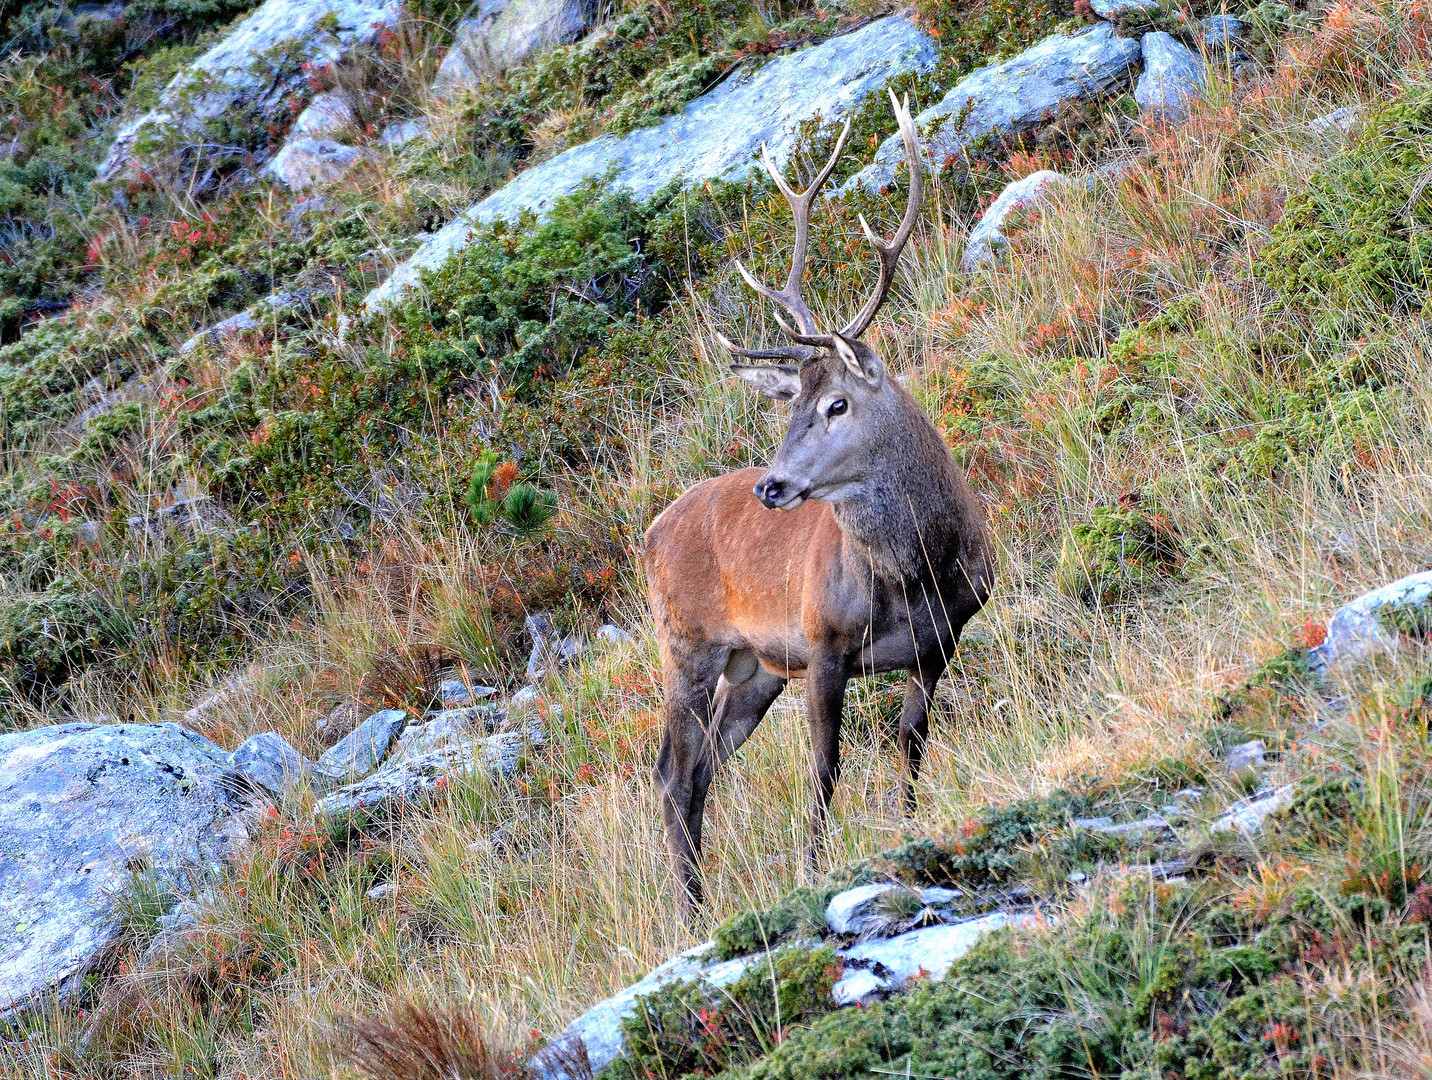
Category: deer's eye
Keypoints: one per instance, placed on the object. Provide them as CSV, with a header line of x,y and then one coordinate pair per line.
x,y
837,407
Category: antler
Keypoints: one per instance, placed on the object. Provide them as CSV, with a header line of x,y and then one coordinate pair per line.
x,y
808,337
805,332
890,253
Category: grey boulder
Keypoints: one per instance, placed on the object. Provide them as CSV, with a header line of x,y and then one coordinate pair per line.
x,y
1222,33
504,33
303,163
83,807
268,762
1356,630
239,77
717,135
1172,79
987,237
1013,96
327,114
362,750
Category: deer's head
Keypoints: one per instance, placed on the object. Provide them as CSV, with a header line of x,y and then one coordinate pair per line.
x,y
842,403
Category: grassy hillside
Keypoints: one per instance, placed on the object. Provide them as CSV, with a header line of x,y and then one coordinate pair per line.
x,y
1194,399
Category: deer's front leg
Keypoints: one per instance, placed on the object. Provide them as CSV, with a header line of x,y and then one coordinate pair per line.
x,y
825,702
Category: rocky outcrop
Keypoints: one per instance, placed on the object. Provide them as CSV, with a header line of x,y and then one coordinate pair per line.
x,y
503,34
1117,9
1172,79
1010,97
83,807
717,135
412,781
1248,817
987,237
1362,627
242,75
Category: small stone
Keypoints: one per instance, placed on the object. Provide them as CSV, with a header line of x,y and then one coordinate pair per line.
x,y
1171,81
1078,877
358,753
502,34
1092,822
385,891
529,697
90,533
456,694
613,635
940,897
397,136
1222,32
987,237
848,911
1356,630
267,761
1339,120
860,987
1247,755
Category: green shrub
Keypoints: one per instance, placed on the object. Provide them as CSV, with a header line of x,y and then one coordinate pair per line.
x,y
686,1030
1359,235
1118,554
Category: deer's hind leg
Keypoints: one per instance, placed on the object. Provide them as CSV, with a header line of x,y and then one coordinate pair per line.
x,y
744,695
915,724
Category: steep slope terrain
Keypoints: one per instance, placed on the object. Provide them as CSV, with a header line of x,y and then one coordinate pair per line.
x,y
1188,381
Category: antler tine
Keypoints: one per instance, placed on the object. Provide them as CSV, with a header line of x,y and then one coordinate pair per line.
x,y
790,297
890,253
801,354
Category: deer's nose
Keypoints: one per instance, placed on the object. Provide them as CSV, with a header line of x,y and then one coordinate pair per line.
x,y
770,491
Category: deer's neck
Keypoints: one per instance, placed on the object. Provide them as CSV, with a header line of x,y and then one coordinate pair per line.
x,y
906,520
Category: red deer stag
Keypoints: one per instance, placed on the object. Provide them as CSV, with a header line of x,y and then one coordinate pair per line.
x,y
863,550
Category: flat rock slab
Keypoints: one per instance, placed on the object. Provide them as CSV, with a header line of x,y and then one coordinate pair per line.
x,y
987,237
717,135
1356,630
1013,96
234,75
82,807
888,963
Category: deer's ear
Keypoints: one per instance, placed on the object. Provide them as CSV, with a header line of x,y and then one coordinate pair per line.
x,y
779,381
860,360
